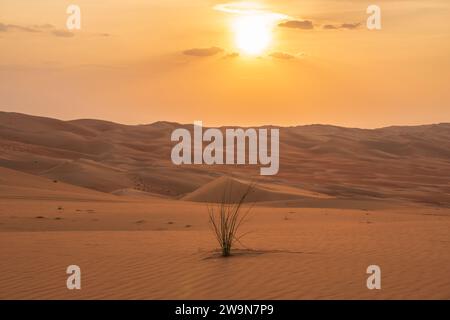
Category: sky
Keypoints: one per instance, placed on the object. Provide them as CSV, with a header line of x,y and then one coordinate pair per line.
x,y
283,62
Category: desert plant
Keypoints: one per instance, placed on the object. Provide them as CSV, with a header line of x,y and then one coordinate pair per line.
x,y
227,217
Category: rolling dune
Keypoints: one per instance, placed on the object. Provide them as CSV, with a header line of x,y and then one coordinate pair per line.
x,y
231,190
106,197
406,163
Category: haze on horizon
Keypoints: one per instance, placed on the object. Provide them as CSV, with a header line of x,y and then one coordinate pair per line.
x,y
143,61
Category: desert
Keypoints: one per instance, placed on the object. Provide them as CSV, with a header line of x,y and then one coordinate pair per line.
x,y
106,197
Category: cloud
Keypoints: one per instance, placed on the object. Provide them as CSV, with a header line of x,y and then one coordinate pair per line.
x,y
21,28
231,55
286,56
203,52
330,27
246,8
298,24
63,33
15,27
348,26
45,28
309,25
282,56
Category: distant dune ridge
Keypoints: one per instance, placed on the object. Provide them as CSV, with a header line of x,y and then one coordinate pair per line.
x,y
316,161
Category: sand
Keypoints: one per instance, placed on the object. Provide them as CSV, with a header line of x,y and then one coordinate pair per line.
x,y
165,250
104,196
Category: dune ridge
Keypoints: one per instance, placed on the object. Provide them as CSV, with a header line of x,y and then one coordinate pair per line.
x,y
106,196
396,163
229,190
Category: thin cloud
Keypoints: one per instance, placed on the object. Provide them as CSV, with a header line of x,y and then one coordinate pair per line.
x,y
231,55
14,27
203,52
282,56
309,25
63,33
330,27
348,26
286,56
298,24
249,8
45,28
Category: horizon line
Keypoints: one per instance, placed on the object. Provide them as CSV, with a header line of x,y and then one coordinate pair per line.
x,y
222,126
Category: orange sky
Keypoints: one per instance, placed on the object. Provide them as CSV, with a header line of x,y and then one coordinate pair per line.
x,y
141,61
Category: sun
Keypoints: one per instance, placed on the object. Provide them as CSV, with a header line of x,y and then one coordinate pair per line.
x,y
253,33
252,25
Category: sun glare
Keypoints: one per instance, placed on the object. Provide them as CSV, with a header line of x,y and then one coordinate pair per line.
x,y
253,33
252,26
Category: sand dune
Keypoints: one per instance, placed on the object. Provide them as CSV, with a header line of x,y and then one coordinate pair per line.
x,y
397,163
133,193
90,174
19,185
231,190
106,197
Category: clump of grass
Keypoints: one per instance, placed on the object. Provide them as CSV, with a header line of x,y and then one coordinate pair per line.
x,y
227,217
